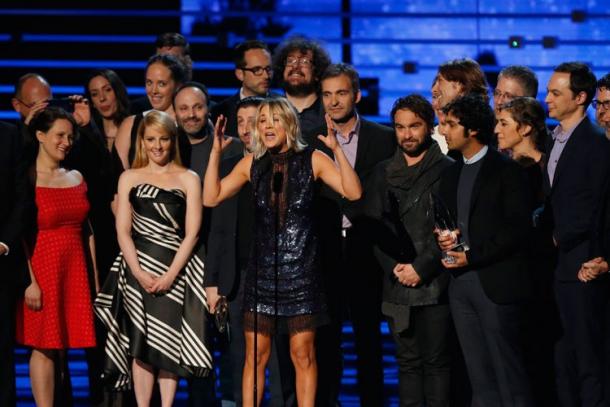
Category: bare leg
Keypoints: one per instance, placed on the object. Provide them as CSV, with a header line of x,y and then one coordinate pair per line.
x,y
303,355
262,356
143,382
42,376
168,382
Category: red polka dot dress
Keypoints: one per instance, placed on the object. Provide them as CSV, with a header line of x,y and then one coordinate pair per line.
x,y
59,266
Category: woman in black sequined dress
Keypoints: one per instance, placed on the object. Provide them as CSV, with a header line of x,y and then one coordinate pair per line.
x,y
283,172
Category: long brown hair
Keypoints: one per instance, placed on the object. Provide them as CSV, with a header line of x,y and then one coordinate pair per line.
x,y
164,123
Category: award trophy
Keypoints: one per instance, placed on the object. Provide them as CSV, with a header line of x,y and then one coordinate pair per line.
x,y
445,225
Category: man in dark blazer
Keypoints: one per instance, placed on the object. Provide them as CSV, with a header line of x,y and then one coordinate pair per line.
x,y
488,195
576,176
414,282
15,213
253,69
353,277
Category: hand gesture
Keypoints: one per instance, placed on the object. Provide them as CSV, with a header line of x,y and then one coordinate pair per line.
x,y
460,260
220,141
591,269
164,283
82,113
330,140
38,106
406,275
212,298
33,297
446,239
146,281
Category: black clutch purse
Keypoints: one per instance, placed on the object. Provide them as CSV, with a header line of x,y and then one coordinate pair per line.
x,y
221,315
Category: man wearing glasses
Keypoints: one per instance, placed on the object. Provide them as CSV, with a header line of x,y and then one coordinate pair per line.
x,y
601,104
253,70
301,62
514,81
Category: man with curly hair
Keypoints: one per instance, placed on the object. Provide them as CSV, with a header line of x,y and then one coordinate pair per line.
x,y
299,63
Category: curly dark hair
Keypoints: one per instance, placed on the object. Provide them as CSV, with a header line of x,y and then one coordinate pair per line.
x,y
528,111
474,113
120,91
321,59
582,79
418,105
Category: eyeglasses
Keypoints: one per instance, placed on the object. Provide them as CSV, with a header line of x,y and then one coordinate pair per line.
x,y
293,61
500,95
605,104
28,105
258,70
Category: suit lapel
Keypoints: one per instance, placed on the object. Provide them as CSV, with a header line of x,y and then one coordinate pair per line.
x,y
484,172
364,139
568,150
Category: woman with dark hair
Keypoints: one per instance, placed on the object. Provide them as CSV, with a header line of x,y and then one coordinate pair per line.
x,y
283,288
164,74
522,132
56,312
109,103
153,302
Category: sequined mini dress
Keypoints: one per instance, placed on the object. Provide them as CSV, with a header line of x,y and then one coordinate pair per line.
x,y
290,296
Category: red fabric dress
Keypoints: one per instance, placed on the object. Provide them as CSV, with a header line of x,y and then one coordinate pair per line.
x,y
58,263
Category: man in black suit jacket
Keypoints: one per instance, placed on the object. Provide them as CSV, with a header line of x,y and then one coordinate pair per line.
x,y
253,69
15,213
488,195
352,274
576,176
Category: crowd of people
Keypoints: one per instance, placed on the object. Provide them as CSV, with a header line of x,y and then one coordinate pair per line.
x,y
255,227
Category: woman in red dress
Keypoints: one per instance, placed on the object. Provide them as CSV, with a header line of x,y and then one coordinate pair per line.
x,y
56,313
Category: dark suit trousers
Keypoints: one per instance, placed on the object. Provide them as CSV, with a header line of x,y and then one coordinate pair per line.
x,y
489,335
423,357
362,284
579,354
7,343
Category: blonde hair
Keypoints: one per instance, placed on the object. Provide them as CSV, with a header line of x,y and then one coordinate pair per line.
x,y
289,120
165,124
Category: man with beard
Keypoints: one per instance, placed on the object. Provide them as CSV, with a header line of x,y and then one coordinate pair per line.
x,y
351,273
253,69
414,285
191,107
300,62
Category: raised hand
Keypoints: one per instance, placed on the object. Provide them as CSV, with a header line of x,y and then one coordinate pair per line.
x,y
38,106
220,141
82,113
330,140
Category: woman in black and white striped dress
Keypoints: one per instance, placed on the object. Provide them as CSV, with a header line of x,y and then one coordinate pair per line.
x,y
153,303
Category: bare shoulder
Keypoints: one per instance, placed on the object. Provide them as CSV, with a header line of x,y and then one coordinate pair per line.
x,y
127,123
129,178
74,176
188,176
